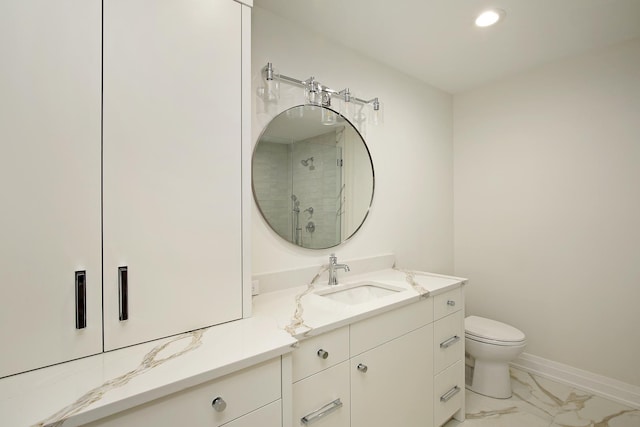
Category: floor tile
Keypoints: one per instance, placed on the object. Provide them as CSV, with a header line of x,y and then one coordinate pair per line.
x,y
539,402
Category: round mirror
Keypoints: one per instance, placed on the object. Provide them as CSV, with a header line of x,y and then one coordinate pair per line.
x,y
313,177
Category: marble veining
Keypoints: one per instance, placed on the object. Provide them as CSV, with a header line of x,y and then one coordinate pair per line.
x,y
540,402
149,361
411,279
297,321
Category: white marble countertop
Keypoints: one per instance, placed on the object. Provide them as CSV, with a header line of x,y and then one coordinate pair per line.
x,y
303,313
84,390
88,389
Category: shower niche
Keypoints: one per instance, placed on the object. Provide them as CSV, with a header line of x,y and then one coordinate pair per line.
x,y
312,176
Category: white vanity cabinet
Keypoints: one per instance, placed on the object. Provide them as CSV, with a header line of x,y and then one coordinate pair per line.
x,y
391,368
448,345
50,182
403,367
321,390
248,398
172,184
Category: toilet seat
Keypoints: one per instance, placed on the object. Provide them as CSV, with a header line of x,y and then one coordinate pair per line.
x,y
492,332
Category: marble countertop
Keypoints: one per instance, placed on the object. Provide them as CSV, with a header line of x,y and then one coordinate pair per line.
x,y
84,390
303,313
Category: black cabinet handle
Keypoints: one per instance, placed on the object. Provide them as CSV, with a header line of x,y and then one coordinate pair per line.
x,y
81,299
123,292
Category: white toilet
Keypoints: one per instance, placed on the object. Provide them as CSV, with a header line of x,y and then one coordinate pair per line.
x,y
491,345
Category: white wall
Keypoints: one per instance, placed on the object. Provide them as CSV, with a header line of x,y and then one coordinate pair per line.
x,y
547,208
412,213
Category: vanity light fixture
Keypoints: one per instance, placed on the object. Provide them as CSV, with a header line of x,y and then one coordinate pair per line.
x,y
489,17
318,94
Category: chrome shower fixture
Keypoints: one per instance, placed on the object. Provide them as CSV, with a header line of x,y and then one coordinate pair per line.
x,y
308,162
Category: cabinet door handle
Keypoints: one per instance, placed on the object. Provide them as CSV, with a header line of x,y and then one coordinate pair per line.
x,y
323,354
219,404
451,341
322,412
448,395
362,367
123,292
81,299
451,303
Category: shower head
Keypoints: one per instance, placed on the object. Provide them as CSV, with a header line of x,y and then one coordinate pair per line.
x,y
308,162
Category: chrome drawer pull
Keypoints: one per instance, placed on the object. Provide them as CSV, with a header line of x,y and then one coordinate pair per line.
x,y
322,354
451,341
362,368
322,412
451,303
448,395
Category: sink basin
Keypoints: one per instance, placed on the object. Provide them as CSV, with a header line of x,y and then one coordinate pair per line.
x,y
358,293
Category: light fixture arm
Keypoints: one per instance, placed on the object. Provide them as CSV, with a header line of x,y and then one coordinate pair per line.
x,y
325,92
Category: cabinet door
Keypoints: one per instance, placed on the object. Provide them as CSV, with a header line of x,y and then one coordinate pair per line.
x,y
172,166
392,385
49,180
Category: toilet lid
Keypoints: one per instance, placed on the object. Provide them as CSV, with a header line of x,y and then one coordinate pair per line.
x,y
487,329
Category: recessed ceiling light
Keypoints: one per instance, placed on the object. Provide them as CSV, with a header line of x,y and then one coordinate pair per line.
x,y
489,17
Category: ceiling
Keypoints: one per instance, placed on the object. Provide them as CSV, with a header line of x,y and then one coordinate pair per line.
x,y
437,42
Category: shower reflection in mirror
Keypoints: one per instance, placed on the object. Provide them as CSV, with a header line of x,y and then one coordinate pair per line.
x,y
312,183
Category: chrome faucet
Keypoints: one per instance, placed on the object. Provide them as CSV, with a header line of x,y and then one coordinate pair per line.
x,y
333,267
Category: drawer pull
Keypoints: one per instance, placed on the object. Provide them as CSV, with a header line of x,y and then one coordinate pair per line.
x,y
322,412
81,299
362,367
448,395
123,293
451,303
219,404
451,341
323,354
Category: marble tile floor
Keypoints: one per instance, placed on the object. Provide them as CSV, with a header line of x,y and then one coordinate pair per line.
x,y
539,402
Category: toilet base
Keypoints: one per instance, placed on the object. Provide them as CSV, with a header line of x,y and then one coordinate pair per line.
x,y
491,379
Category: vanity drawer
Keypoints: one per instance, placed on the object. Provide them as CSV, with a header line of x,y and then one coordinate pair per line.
x,y
447,303
243,392
448,392
318,394
321,352
380,329
267,416
448,343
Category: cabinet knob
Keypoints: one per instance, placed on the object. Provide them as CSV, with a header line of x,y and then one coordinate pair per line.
x,y
362,367
451,303
219,404
323,354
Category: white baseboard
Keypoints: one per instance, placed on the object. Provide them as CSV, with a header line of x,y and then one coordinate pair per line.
x,y
599,385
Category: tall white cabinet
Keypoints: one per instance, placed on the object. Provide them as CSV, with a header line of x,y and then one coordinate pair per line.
x,y
172,177
121,158
49,181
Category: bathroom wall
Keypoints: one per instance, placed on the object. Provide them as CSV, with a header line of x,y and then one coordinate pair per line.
x,y
547,207
412,212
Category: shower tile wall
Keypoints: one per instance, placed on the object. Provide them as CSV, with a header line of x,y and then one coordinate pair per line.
x,y
272,180
318,187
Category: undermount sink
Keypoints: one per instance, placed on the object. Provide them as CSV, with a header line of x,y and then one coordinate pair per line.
x,y
358,293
